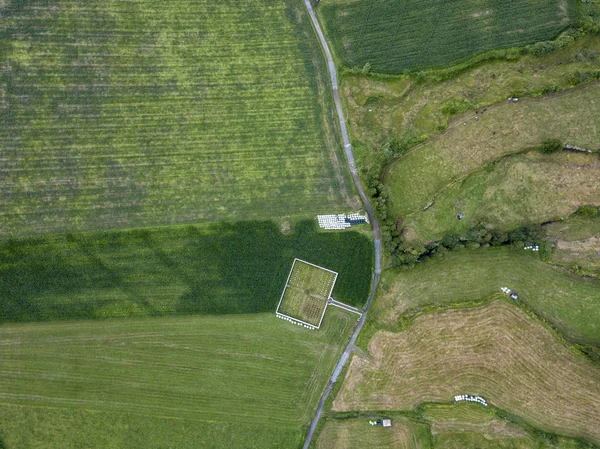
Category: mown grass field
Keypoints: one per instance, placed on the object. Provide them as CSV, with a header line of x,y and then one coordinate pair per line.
x,y
397,35
577,242
243,381
359,434
460,426
495,351
126,114
474,140
380,111
568,301
219,268
528,188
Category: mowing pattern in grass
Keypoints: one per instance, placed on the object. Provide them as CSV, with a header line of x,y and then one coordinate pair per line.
x,y
135,113
359,434
220,268
460,426
529,188
495,351
307,291
394,35
414,179
577,242
178,382
568,301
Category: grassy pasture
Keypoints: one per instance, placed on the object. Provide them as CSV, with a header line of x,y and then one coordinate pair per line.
x,y
219,268
495,351
528,188
472,141
457,426
359,434
397,35
380,111
568,301
577,242
126,114
244,381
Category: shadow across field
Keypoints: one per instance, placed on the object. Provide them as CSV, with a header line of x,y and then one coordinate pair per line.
x,y
210,269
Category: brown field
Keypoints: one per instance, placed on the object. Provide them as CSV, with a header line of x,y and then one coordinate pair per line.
x,y
359,434
495,351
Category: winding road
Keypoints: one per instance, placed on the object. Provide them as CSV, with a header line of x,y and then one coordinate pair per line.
x,y
368,208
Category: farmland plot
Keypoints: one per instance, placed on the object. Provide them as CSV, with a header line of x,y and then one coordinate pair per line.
x,y
495,351
123,114
243,381
396,35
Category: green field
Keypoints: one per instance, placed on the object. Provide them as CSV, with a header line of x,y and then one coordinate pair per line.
x,y
125,114
577,242
244,381
568,301
219,268
529,188
397,35
473,140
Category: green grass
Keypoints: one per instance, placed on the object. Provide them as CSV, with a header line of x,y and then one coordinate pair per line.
x,y
577,242
529,188
568,301
125,114
245,381
382,110
468,144
397,35
219,268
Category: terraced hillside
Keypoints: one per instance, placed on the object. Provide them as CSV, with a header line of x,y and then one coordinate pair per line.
x,y
122,114
495,351
396,35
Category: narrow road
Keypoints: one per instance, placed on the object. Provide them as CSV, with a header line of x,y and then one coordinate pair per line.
x,y
333,302
368,208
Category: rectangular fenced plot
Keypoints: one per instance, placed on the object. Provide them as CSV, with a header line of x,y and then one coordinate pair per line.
x,y
306,293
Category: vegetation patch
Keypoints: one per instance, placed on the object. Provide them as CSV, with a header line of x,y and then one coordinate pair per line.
x,y
525,189
568,301
476,139
398,109
187,382
137,113
576,242
393,36
212,269
307,292
495,351
358,434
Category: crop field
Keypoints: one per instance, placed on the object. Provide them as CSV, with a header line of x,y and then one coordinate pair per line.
x,y
528,188
307,291
184,382
568,301
495,351
127,114
381,111
473,140
577,242
213,269
397,35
